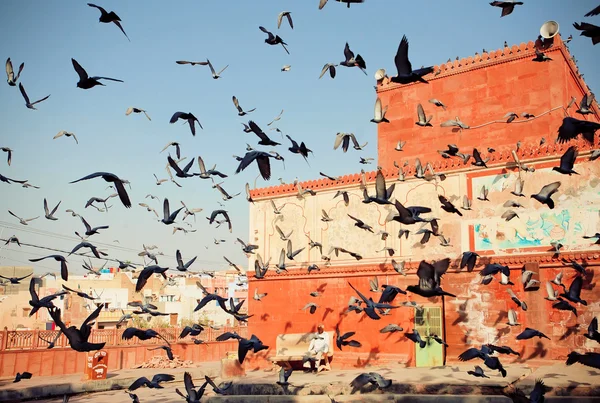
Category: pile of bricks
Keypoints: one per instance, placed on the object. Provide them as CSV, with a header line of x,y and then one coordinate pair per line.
x,y
160,361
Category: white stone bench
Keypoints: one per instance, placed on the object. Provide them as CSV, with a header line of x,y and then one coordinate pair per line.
x,y
292,347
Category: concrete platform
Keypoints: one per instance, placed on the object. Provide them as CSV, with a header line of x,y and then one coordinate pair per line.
x,y
577,384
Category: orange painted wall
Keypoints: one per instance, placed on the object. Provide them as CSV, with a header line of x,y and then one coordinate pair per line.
x,y
478,91
280,312
65,361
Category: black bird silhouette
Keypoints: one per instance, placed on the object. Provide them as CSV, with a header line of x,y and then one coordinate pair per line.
x,y
448,206
409,215
189,117
430,276
382,195
115,180
168,217
214,215
245,345
89,231
592,331
8,180
145,334
264,139
86,82
298,149
152,384
468,260
545,194
529,333
84,244
502,349
342,339
406,74
78,338
146,273
274,39
109,17
360,224
589,30
371,305
571,128
15,280
389,293
484,354
567,161
193,330
262,160
22,375
167,350
180,265
28,103
79,293
507,6
479,162
415,337
36,302
352,61
193,395
181,173
574,294
64,274
587,359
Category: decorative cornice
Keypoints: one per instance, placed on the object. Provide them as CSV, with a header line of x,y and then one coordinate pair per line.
x,y
487,59
527,153
514,261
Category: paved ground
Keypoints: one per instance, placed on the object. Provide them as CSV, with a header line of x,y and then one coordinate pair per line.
x,y
448,384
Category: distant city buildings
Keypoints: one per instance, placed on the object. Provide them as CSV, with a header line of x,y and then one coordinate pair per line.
x,y
176,296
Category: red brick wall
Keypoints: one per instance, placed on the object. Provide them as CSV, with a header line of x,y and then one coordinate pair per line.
x,y
479,90
280,312
65,361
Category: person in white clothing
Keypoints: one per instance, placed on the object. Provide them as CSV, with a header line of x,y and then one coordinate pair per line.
x,y
318,350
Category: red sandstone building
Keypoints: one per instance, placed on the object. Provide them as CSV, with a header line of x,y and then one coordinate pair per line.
x,y
480,90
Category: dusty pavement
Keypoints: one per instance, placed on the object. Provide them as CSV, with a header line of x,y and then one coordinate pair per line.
x,y
447,384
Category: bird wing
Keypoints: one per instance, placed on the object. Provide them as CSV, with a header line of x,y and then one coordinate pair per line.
x,y
550,290
512,316
348,54
549,189
359,293
421,113
34,296
380,190
93,316
426,274
378,109
401,60
83,75
289,18
469,354
139,382
360,381
568,158
24,94
106,78
575,288
9,70
236,103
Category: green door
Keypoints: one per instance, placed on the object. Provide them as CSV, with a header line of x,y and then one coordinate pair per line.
x,y
428,322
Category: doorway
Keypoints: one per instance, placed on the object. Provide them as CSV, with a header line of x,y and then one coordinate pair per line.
x,y
428,322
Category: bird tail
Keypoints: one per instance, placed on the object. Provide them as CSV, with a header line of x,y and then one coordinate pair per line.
x,y
422,344
572,358
503,372
95,346
421,79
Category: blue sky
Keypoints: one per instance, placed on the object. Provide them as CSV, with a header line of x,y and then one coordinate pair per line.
x,y
46,35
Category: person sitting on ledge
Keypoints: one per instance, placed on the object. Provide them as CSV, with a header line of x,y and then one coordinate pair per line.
x,y
318,350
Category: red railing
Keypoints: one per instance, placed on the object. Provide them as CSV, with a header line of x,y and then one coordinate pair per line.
x,y
39,339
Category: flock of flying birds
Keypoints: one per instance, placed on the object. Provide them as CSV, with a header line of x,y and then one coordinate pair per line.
x,y
429,274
